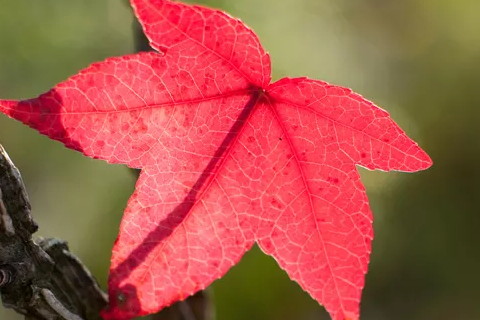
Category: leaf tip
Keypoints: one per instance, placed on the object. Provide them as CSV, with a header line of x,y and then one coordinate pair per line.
x,y
423,161
7,106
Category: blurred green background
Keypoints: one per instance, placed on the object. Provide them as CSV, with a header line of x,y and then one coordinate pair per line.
x,y
420,60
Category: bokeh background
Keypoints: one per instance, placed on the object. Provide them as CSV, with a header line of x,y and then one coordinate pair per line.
x,y
420,60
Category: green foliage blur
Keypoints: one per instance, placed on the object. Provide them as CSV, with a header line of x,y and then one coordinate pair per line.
x,y
420,60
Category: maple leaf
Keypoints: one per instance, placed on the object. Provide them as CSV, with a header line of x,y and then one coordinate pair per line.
x,y
227,160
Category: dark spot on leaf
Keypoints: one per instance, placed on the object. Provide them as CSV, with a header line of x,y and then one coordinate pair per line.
x,y
140,128
162,50
267,245
121,298
333,180
44,110
251,139
276,204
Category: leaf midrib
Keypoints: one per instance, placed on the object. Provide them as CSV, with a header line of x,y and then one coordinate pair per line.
x,y
309,194
240,92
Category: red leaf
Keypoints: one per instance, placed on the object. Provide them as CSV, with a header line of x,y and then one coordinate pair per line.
x,y
227,160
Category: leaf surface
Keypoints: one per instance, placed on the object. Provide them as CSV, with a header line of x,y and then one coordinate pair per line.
x,y
227,160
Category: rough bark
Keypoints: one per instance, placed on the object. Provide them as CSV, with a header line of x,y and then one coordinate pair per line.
x,y
40,279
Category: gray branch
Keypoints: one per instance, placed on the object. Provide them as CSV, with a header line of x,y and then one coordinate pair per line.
x,y
40,279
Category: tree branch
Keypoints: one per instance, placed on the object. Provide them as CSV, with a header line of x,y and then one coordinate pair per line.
x,y
40,279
